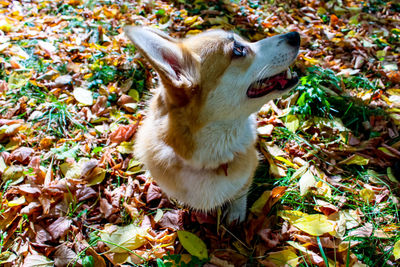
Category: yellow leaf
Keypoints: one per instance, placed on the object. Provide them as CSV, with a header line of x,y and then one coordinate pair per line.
x,y
87,76
315,224
5,26
190,20
120,239
71,170
285,257
17,202
292,123
396,250
313,61
306,181
387,151
260,203
134,94
126,148
96,176
275,170
286,161
367,195
300,171
13,173
291,215
193,32
18,80
193,244
389,172
83,96
355,160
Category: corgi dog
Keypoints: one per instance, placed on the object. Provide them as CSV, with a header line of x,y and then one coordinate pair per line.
x,y
198,137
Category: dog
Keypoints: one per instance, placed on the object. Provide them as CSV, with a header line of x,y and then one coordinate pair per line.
x,y
198,137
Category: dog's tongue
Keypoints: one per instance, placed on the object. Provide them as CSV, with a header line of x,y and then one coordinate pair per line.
x,y
282,81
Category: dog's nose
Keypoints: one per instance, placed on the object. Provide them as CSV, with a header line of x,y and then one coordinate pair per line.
x,y
293,38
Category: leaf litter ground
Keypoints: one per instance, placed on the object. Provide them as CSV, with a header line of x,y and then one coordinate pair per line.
x,y
73,91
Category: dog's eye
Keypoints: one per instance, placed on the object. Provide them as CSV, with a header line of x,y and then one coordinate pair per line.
x,y
239,50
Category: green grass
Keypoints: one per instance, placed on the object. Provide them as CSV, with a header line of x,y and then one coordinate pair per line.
x,y
321,94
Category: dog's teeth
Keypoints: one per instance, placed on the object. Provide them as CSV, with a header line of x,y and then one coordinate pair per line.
x,y
288,74
258,86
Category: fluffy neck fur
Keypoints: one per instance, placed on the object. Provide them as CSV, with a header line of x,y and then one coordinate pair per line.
x,y
218,142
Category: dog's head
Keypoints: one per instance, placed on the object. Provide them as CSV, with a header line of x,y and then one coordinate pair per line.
x,y
219,72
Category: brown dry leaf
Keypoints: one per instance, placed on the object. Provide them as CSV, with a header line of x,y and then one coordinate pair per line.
x,y
42,235
153,193
3,86
363,231
172,220
325,207
271,239
106,208
37,260
59,227
98,260
100,107
310,256
64,255
219,262
22,154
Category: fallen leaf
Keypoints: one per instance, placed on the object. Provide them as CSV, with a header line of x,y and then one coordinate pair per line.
x,y
306,182
363,231
22,154
37,260
83,96
283,257
258,205
367,195
172,220
63,256
355,160
121,239
59,227
396,250
315,224
194,245
292,123
123,133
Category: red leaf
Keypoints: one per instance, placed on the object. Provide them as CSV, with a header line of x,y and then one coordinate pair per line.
x,y
123,133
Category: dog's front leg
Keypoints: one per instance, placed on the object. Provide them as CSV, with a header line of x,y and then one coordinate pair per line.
x,y
236,211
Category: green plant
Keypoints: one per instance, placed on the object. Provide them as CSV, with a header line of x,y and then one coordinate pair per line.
x,y
313,99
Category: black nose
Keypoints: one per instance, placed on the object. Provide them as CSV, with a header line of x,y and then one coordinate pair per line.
x,y
293,38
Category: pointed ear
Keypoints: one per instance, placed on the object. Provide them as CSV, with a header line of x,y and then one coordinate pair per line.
x,y
176,66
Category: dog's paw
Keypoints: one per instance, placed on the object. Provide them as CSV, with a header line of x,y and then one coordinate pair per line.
x,y
236,211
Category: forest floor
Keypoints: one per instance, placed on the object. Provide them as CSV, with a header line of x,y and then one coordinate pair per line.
x,y
73,91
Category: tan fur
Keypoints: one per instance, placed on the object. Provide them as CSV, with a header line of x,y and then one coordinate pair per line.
x,y
184,139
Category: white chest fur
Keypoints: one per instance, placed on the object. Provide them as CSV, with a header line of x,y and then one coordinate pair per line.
x,y
217,142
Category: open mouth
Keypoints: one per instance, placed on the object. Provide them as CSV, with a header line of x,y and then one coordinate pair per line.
x,y
281,81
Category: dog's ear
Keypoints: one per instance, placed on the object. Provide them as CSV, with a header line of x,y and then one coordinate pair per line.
x,y
176,66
